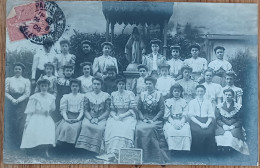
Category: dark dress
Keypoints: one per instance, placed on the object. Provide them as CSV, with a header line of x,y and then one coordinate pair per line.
x,y
91,135
63,87
234,137
149,136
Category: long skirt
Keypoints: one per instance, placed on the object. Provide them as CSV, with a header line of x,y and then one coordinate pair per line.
x,y
39,131
177,139
68,132
149,137
227,139
119,134
14,122
91,136
203,140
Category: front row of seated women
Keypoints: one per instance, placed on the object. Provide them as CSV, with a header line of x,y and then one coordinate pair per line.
x,y
104,123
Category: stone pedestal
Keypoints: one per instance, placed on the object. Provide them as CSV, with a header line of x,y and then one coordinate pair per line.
x,y
130,75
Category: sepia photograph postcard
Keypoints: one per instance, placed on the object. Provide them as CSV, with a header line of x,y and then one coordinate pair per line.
x,y
131,82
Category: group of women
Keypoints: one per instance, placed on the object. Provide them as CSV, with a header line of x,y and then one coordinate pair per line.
x,y
180,105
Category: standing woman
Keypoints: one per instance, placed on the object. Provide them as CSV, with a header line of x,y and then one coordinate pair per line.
x,y
101,63
39,127
96,111
17,92
197,63
71,108
202,123
42,58
120,128
149,129
86,78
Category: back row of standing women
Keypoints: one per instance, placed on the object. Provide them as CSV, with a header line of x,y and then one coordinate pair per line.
x,y
126,119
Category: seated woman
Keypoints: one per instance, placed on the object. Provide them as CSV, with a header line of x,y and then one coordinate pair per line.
x,y
39,126
71,108
202,125
149,129
96,111
188,85
120,127
229,130
86,78
17,92
176,128
220,66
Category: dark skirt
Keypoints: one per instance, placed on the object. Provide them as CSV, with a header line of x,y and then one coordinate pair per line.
x,y
91,136
150,138
67,132
203,140
14,121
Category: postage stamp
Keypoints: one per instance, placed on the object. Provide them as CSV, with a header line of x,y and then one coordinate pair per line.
x,y
36,21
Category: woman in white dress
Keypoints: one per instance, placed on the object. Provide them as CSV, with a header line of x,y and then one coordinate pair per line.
x,y
176,128
86,78
39,126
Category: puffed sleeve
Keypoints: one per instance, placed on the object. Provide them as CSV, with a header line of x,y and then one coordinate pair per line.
x,y
219,93
239,94
95,66
34,65
132,100
211,110
27,91
64,104
161,107
115,62
7,89
31,105
205,64
168,108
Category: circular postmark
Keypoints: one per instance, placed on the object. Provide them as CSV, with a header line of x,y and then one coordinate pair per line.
x,y
47,20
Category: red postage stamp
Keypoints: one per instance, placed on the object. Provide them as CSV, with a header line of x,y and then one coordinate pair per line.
x,y
36,21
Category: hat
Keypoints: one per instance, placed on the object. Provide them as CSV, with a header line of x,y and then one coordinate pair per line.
x,y
68,66
186,67
150,78
43,81
86,42
107,43
111,68
49,64
64,41
160,66
195,45
98,78
176,46
19,64
120,79
142,66
85,63
155,41
75,81
219,47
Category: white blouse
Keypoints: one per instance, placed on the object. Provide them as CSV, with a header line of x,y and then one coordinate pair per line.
x,y
198,65
101,63
213,91
201,108
18,85
217,64
164,84
176,66
72,103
